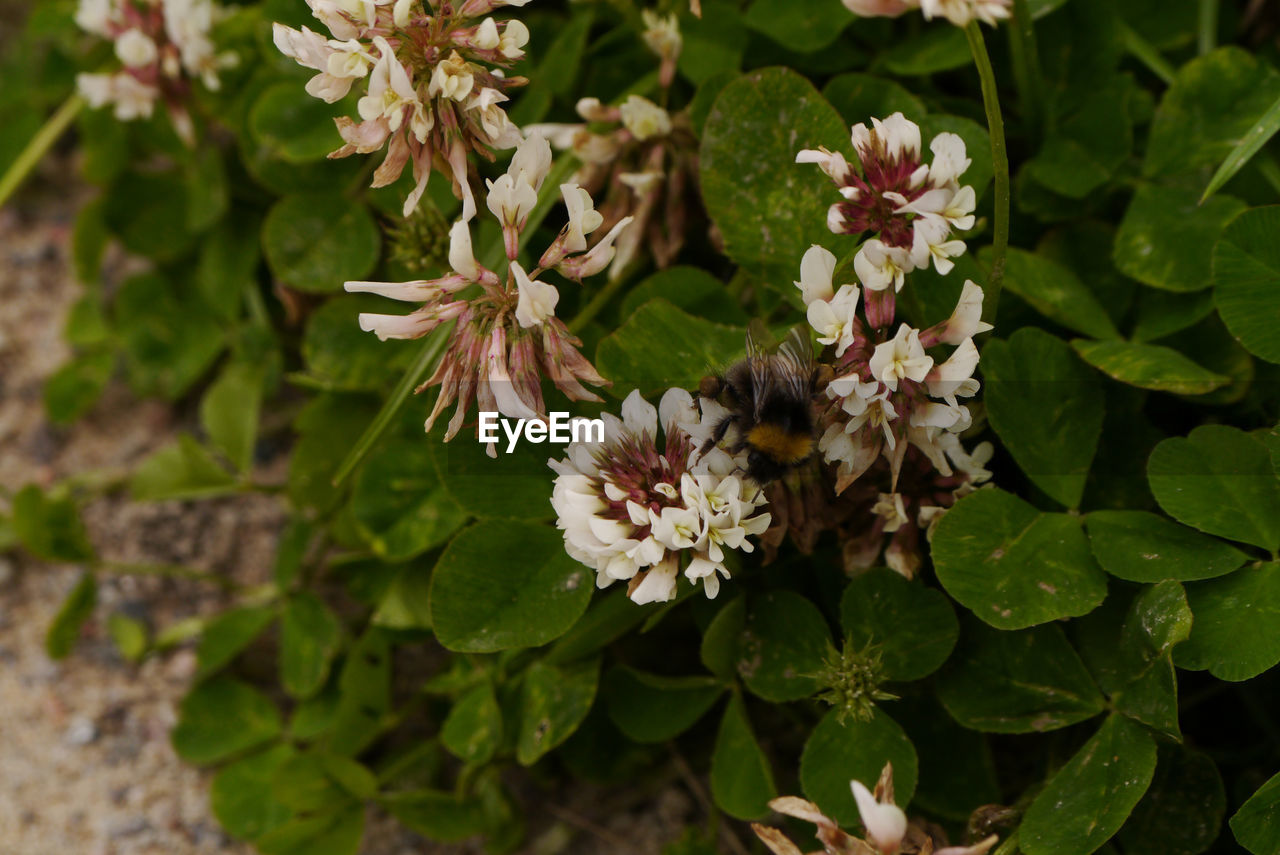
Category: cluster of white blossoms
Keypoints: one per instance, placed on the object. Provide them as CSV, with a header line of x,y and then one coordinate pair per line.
x,y
506,337
893,408
911,207
888,392
162,46
958,12
435,82
634,508
885,826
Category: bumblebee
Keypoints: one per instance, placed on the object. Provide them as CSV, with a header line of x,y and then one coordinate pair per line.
x,y
769,396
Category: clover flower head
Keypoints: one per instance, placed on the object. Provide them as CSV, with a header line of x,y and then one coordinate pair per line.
x,y
434,80
958,12
910,206
636,508
163,47
886,830
888,392
506,338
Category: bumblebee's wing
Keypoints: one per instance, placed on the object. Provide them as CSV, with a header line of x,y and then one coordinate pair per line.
x,y
760,345
795,358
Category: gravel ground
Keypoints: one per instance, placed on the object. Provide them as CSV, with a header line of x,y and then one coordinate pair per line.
x,y
86,766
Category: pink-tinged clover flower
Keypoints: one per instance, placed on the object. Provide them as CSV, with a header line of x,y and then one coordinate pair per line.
x,y
434,80
638,509
887,391
505,338
163,47
910,207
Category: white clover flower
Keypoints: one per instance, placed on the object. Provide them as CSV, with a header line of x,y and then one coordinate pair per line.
x,y
537,300
890,508
511,200
835,320
908,205
135,48
816,269
132,99
965,321
884,821
452,78
583,217
895,138
433,94
531,161
950,159
900,358
961,12
621,512
96,16
493,119
391,93
958,12
487,37
515,35
661,34
461,258
931,243
643,118
878,265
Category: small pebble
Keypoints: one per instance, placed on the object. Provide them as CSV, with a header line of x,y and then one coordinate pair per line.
x,y
81,731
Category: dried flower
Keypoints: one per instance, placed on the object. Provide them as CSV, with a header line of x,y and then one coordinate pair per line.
x,y
435,83
507,337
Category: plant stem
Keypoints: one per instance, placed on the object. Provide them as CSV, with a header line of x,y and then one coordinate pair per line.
x,y
1146,53
1009,846
1026,70
40,144
1208,28
596,303
1000,162
433,345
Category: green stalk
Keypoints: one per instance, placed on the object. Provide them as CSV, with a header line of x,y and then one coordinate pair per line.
x,y
433,345
1146,53
593,307
1208,29
1025,56
40,144
1000,161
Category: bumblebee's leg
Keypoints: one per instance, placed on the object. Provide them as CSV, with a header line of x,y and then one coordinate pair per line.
x,y
717,433
822,375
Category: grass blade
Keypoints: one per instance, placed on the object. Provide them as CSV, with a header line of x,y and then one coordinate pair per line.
x,y
1248,146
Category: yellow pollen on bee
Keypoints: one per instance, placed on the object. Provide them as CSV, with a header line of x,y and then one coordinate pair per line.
x,y
779,444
